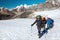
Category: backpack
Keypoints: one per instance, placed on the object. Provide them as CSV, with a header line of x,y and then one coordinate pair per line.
x,y
52,21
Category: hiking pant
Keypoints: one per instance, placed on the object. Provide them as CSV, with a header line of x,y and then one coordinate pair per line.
x,y
39,29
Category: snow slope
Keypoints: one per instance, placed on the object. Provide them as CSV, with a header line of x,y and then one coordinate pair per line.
x,y
20,29
51,13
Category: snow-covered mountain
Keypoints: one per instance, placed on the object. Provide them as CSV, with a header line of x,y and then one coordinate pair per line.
x,y
29,9
54,2
48,5
26,6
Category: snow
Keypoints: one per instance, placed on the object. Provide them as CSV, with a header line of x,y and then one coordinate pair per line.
x,y
51,13
26,6
20,29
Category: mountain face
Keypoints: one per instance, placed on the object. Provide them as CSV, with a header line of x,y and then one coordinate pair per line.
x,y
48,5
54,2
6,14
15,13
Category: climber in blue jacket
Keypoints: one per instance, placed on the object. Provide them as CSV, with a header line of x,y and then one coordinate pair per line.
x,y
50,23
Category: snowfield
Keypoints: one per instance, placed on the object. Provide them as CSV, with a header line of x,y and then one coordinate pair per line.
x,y
51,13
20,29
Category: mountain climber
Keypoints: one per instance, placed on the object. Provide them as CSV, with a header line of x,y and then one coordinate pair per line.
x,y
39,25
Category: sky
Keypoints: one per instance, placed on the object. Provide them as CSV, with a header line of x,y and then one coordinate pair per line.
x,y
14,3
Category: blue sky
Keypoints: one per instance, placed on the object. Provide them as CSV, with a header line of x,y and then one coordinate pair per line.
x,y
14,3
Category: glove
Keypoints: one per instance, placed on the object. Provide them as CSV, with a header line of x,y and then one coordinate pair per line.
x,y
31,24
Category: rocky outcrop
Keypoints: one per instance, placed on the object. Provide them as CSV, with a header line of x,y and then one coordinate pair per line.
x,y
26,15
6,14
14,13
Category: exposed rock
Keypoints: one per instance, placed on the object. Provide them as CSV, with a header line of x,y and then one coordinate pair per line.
x,y
6,14
26,15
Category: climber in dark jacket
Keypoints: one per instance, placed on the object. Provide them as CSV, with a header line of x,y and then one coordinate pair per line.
x,y
38,22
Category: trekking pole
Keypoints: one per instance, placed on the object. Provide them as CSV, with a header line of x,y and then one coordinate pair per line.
x,y
31,30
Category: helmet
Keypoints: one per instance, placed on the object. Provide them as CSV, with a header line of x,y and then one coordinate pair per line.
x,y
38,16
